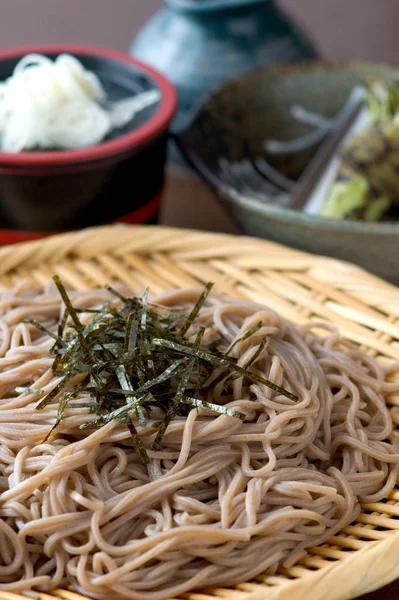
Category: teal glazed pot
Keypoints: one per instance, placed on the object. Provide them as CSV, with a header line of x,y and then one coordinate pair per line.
x,y
200,44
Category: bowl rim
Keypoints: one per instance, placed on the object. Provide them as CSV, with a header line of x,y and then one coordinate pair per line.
x,y
157,124
229,195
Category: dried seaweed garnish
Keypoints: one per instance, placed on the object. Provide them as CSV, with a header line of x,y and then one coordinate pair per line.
x,y
64,401
247,335
175,407
29,389
133,358
222,360
197,307
44,330
196,403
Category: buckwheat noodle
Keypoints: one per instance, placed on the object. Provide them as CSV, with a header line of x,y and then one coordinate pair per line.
x,y
223,501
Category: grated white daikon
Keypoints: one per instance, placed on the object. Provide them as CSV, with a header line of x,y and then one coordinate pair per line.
x,y
48,104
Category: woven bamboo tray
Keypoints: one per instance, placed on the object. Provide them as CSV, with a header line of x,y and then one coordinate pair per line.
x,y
365,555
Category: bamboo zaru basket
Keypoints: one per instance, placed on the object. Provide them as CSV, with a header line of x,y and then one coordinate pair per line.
x,y
365,555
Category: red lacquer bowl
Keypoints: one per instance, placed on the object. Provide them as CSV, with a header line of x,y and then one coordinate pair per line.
x,y
120,179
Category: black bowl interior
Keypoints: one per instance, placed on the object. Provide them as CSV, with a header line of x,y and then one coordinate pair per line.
x,y
120,80
236,120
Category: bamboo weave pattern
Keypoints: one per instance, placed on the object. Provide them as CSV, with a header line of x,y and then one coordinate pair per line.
x,y
300,287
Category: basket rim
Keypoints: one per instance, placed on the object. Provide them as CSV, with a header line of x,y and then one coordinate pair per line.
x,y
114,234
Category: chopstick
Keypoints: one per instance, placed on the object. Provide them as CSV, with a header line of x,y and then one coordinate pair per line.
x,y
320,162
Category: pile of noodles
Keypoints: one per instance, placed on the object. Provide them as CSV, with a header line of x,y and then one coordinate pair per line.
x,y
223,500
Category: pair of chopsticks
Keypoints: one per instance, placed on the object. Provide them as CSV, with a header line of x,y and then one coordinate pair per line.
x,y
257,178
309,180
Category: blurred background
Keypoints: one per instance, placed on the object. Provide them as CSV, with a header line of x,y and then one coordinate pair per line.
x,y
364,29
342,29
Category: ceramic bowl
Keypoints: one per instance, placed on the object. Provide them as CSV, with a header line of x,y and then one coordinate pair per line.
x,y
120,179
234,123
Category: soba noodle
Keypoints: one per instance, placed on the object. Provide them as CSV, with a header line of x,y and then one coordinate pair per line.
x,y
223,500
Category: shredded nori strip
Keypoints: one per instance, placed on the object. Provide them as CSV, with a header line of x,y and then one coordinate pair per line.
x,y
194,313
133,357
247,335
215,360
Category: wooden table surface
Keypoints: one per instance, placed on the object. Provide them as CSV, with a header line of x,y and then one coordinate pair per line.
x,y
188,203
